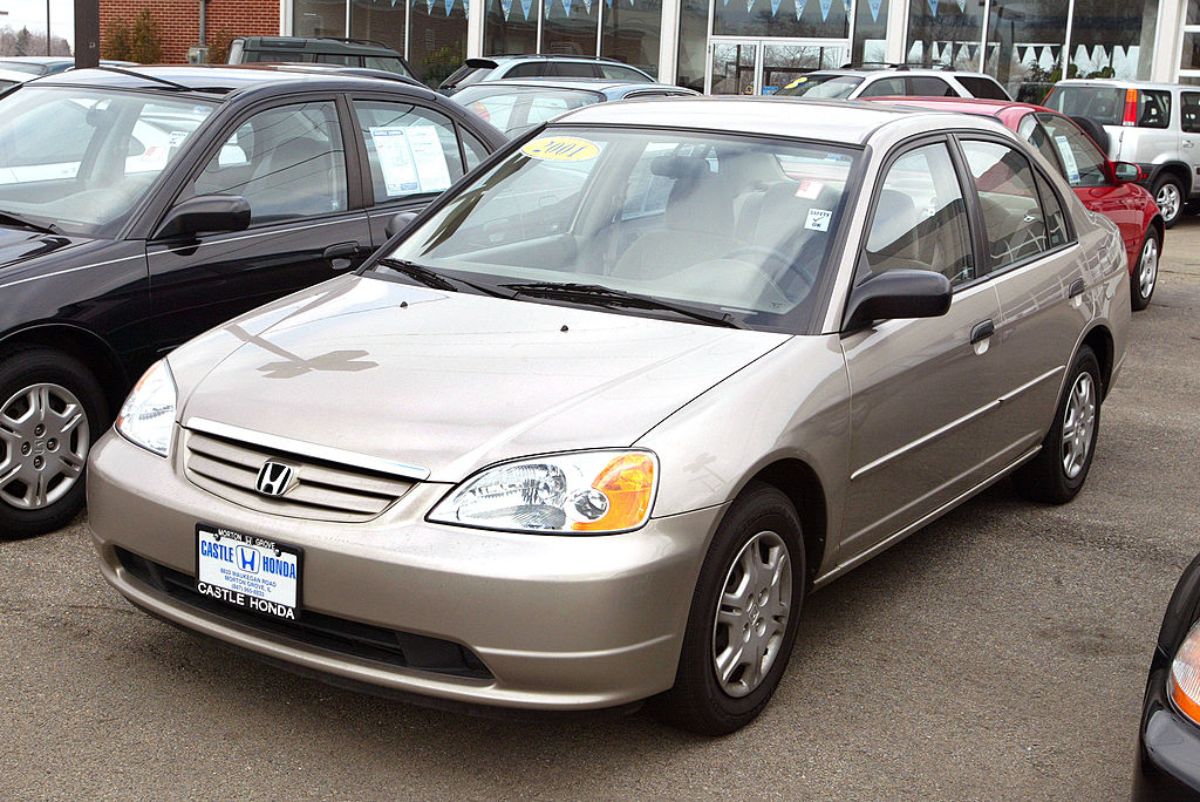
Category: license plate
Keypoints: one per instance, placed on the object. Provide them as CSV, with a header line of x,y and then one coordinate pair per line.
x,y
247,571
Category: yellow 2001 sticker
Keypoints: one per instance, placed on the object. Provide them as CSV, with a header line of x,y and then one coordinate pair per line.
x,y
561,149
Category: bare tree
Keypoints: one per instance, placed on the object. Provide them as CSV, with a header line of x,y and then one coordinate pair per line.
x,y
30,43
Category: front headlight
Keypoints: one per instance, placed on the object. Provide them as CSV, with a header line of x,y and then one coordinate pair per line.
x,y
1185,676
148,415
585,491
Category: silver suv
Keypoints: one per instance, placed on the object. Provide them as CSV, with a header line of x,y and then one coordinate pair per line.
x,y
849,83
494,68
1156,126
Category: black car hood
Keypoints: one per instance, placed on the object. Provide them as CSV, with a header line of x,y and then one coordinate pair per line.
x,y
19,246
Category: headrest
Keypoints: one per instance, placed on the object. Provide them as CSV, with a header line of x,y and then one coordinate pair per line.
x,y
679,166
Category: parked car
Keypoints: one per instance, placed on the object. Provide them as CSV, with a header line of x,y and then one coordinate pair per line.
x,y
1103,186
1168,757
320,50
536,453
138,209
10,78
515,107
893,81
1155,126
51,65
496,68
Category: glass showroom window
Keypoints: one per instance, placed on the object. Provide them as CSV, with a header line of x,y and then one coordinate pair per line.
x,y
1113,39
378,21
816,19
569,28
1025,49
437,38
692,56
945,33
870,32
631,32
510,26
1189,57
319,17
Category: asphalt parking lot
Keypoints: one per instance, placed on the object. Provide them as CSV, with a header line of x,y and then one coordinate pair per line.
x,y
999,654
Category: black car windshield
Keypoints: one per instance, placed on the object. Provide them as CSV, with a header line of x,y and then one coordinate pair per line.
x,y
514,109
816,85
81,158
737,228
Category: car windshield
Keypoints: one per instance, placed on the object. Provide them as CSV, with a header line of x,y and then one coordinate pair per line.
x,y
515,109
31,67
738,228
80,159
830,87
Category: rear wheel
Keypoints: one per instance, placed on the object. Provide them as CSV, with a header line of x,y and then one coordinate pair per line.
x,y
51,411
1145,276
743,619
1059,470
1168,194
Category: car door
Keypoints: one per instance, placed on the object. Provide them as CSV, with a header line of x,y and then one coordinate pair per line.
x,y
1189,129
921,389
289,161
1036,271
413,153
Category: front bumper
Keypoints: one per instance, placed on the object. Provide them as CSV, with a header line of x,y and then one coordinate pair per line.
x,y
1168,762
560,622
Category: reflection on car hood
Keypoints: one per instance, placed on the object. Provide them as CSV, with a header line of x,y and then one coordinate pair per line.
x,y
20,246
450,381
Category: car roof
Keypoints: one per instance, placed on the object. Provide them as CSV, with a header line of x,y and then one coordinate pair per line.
x,y
847,122
220,81
327,44
39,59
585,84
551,57
964,105
870,72
1116,83
16,75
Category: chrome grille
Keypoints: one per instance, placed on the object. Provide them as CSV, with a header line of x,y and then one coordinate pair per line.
x,y
321,491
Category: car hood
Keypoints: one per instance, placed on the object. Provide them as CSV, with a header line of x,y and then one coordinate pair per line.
x,y
20,247
449,381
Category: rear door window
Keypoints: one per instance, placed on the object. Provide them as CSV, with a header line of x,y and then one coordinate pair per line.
x,y
1014,222
616,72
928,86
575,69
885,87
1190,112
1032,132
412,150
982,87
530,69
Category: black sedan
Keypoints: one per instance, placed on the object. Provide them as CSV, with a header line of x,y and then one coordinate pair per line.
x,y
1168,763
140,208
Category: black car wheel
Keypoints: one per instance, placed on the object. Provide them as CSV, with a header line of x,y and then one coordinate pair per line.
x,y
1059,470
51,411
1168,194
1145,275
743,618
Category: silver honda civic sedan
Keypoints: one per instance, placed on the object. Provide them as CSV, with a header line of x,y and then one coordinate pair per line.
x,y
588,431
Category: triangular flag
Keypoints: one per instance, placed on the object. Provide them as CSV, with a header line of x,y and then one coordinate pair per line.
x,y
972,50
506,7
962,6
587,6
825,6
933,7
449,5
526,6
875,6
800,4
846,7
775,7
429,6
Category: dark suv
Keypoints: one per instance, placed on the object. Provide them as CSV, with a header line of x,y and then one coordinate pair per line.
x,y
322,50
494,68
141,208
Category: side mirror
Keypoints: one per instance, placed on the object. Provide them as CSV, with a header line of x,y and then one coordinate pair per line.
x,y
398,222
206,214
1127,172
898,294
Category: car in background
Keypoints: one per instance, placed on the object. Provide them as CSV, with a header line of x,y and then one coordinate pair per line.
x,y
318,50
853,83
1153,125
1107,187
10,78
51,65
1168,756
535,454
519,106
139,208
496,68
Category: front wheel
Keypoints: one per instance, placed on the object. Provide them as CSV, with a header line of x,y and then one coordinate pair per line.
x,y
743,618
1145,275
1058,472
51,411
1168,194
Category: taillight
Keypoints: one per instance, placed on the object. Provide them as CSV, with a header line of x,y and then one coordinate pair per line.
x,y
1131,108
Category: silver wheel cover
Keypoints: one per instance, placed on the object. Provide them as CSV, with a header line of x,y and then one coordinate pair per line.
x,y
1079,422
44,442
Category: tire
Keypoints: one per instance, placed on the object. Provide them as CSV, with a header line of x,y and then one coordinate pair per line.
x,y
1169,195
1047,477
1145,275
761,521
37,378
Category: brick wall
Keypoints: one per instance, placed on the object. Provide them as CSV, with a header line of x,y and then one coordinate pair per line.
x,y
179,20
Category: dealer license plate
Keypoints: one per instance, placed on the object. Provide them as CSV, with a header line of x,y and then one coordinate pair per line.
x,y
247,571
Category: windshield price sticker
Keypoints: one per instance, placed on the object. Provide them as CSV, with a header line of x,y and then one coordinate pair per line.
x,y
818,219
561,149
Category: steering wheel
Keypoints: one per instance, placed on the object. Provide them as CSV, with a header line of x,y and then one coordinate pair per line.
x,y
768,255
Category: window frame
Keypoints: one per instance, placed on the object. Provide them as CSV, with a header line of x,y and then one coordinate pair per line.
x,y
982,244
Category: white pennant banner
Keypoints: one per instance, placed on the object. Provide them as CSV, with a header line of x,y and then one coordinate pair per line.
x,y
775,7
875,5
825,6
800,4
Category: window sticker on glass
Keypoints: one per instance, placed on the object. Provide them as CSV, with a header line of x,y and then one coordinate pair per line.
x,y
175,138
808,188
1068,157
818,219
411,159
561,149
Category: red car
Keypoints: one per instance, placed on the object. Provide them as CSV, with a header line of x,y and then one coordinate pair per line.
x,y
1104,186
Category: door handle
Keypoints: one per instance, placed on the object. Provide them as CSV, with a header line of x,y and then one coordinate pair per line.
x,y
342,250
982,331
1189,144
1077,288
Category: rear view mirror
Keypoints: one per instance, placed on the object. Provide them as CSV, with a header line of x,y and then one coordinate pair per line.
x,y
398,222
206,214
1127,172
898,294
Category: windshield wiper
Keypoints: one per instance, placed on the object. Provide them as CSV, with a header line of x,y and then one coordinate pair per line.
x,y
598,295
433,279
8,218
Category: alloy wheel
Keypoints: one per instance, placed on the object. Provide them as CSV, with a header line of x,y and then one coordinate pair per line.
x,y
1079,423
1168,200
1149,272
752,614
44,442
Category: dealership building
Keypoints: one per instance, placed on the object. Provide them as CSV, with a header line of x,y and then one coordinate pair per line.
x,y
753,46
